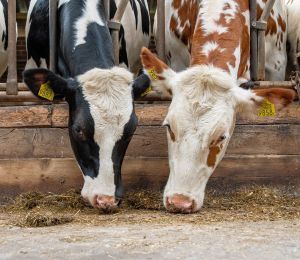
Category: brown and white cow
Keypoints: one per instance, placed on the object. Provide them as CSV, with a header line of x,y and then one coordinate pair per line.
x,y
181,18
293,10
207,97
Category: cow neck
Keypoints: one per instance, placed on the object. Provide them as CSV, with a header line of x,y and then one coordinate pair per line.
x,y
87,37
221,36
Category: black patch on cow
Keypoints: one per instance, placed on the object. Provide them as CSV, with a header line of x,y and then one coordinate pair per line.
x,y
97,46
5,34
134,8
81,132
145,17
120,150
38,35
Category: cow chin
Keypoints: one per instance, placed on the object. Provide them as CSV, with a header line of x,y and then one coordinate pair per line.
x,y
99,193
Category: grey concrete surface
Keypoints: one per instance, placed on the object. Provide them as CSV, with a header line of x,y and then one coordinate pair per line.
x,y
233,240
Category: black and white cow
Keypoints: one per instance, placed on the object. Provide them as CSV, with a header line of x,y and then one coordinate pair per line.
x,y
102,119
4,36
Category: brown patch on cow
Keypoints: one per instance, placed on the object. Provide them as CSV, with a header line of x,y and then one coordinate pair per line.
x,y
279,96
281,23
150,61
183,24
176,4
237,34
212,156
271,24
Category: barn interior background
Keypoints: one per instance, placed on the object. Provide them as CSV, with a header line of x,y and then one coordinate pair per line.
x,y
35,151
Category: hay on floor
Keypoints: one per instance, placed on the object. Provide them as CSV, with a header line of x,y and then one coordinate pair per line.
x,y
250,204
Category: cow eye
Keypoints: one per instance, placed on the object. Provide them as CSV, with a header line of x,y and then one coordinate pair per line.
x,y
171,133
222,137
78,132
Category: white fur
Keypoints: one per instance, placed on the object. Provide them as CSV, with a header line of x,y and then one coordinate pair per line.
x,y
134,37
293,10
3,52
89,15
180,56
62,2
209,47
211,13
108,93
276,60
203,108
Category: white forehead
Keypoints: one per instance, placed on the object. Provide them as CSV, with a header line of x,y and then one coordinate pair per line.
x,y
109,95
203,93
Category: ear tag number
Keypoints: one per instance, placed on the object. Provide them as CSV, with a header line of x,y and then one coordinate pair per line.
x,y
149,89
152,74
46,91
266,109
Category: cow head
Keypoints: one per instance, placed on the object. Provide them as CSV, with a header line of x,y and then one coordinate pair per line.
x,y
200,122
102,121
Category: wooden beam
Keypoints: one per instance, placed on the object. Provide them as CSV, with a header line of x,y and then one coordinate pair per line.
x,y
148,141
59,175
148,114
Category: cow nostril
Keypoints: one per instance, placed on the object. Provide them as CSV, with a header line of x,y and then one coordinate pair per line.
x,y
180,204
105,203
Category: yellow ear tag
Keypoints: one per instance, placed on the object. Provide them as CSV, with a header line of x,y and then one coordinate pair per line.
x,y
46,91
267,108
149,89
152,74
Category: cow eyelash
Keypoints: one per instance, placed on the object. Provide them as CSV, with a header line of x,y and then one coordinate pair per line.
x,y
222,138
172,135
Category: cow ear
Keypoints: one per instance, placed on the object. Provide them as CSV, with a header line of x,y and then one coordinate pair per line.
x,y
141,86
160,74
45,84
265,101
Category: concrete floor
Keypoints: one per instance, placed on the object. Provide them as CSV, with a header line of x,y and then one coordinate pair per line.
x,y
232,240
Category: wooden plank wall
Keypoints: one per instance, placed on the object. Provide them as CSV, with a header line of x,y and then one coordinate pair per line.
x,y
35,151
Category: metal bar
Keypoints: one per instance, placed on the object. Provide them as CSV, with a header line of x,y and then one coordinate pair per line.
x,y
261,64
107,9
282,84
161,34
253,40
116,48
267,10
261,39
115,32
53,34
120,10
12,77
21,87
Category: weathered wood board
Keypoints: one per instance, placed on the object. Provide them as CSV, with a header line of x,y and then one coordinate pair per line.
x,y
35,152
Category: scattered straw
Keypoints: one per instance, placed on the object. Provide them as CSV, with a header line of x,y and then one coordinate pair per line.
x,y
252,204
43,220
144,199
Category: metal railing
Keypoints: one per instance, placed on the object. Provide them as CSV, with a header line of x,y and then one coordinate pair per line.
x,y
14,92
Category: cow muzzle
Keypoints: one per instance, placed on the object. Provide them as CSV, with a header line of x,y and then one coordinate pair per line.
x,y
179,203
105,203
